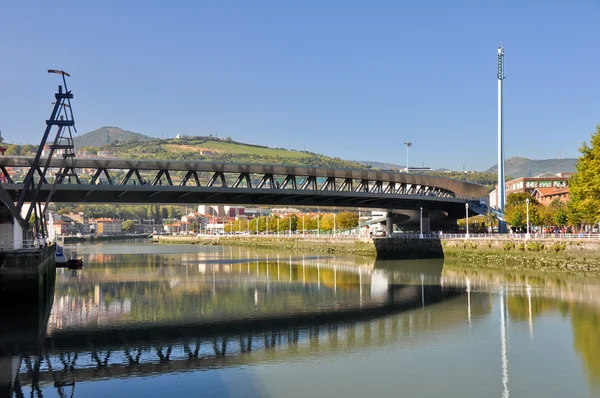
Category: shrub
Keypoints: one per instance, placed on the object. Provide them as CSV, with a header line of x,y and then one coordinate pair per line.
x,y
534,246
558,246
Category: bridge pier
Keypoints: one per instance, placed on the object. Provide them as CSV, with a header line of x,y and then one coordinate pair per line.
x,y
9,369
426,222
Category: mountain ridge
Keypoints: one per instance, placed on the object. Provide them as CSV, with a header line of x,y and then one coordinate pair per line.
x,y
517,166
106,135
124,143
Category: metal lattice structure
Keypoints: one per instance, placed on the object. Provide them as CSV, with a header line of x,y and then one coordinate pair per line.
x,y
61,118
143,181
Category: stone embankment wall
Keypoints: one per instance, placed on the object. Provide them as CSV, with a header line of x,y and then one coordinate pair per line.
x,y
381,248
27,274
555,254
305,245
582,255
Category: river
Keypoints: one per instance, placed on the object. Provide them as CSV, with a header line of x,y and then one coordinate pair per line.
x,y
152,320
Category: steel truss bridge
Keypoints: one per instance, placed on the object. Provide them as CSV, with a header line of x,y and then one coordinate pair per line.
x,y
144,181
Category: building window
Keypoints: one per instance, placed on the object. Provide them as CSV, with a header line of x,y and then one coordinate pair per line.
x,y
545,184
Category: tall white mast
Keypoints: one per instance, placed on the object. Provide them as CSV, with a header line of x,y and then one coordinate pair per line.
x,y
501,186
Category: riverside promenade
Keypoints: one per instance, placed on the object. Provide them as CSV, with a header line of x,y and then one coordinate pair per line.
x,y
557,252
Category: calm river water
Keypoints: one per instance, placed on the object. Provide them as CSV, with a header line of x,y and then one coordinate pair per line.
x,y
178,320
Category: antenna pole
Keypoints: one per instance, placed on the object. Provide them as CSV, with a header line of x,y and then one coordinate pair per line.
x,y
501,184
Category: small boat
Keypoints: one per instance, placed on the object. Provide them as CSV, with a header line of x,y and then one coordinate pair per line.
x,y
74,262
61,260
71,263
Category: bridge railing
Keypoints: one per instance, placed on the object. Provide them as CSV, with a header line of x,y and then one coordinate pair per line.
x,y
300,235
522,236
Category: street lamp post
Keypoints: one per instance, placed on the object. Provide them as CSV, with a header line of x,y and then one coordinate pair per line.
x,y
318,226
421,225
408,145
334,226
467,212
528,229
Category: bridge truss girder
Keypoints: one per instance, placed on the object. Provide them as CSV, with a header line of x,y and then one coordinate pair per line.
x,y
80,193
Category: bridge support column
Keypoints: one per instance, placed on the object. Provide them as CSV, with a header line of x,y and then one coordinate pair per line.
x,y
9,367
17,242
389,224
426,222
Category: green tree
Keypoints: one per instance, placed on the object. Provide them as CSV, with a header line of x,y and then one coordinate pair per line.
x,y
490,219
515,216
347,220
585,184
128,226
561,218
519,198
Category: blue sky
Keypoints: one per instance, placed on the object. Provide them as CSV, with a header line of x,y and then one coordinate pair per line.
x,y
352,79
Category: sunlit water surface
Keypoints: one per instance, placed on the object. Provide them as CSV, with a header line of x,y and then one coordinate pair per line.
x,y
156,320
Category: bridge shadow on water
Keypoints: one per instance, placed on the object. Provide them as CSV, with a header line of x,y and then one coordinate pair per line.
x,y
34,358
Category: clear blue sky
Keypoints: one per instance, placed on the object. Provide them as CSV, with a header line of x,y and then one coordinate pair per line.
x,y
353,79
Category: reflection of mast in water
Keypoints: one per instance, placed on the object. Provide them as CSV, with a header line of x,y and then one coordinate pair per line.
x,y
318,276
468,282
422,291
504,343
335,279
360,284
530,312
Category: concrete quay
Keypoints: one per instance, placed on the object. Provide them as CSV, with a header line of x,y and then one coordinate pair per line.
x,y
379,248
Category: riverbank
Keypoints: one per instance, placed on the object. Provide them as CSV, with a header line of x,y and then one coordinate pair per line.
x,y
538,255
522,255
88,238
341,247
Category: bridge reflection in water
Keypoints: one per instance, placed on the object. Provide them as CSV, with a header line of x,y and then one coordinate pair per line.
x,y
95,330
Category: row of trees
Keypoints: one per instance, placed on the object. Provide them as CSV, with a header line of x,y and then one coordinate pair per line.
x,y
583,207
309,222
553,215
155,212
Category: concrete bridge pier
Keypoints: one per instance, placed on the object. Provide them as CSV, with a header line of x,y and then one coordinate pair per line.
x,y
426,222
389,224
9,368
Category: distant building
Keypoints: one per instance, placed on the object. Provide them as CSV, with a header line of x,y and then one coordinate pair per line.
x,y
547,195
107,226
60,228
530,184
221,211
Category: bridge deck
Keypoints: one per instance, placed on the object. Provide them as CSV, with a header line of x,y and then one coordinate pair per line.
x,y
142,181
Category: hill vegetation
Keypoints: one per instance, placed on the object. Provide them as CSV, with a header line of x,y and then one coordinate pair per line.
x,y
215,149
523,167
129,145
107,136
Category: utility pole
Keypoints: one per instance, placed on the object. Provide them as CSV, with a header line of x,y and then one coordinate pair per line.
x,y
501,186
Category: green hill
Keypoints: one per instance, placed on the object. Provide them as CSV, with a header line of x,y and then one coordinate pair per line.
x,y
108,135
200,148
523,167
